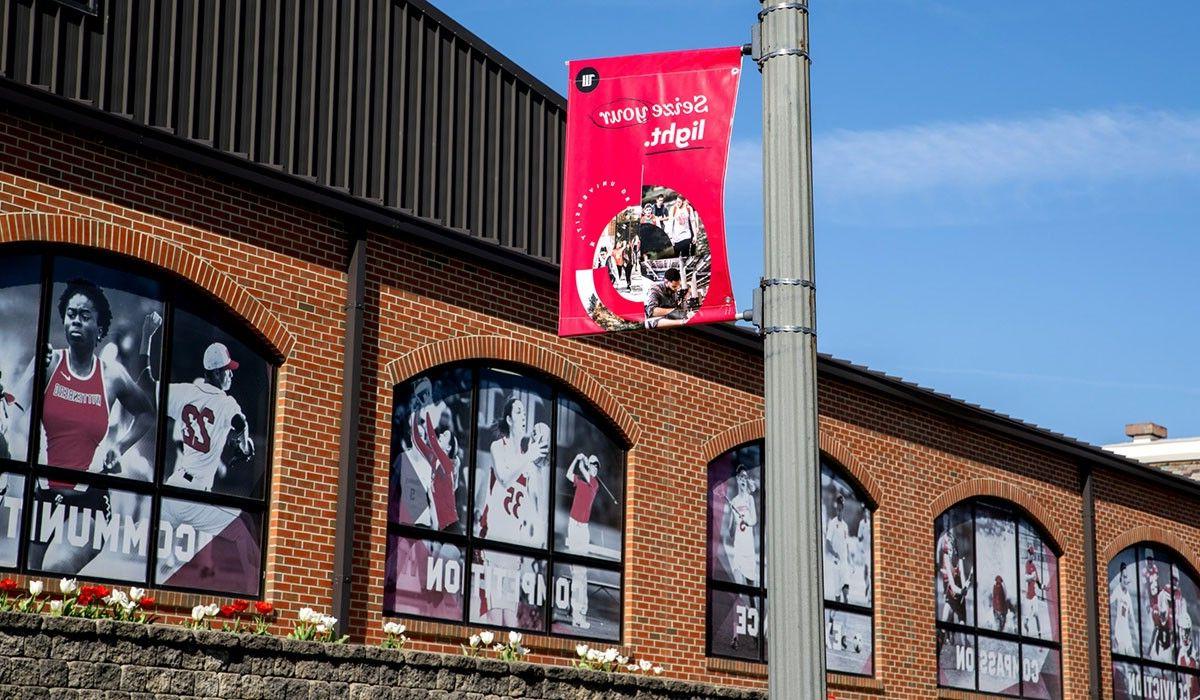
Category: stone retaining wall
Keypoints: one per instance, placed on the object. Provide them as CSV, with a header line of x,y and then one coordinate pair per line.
x,y
73,659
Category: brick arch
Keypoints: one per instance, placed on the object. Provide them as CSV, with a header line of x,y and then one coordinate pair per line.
x,y
757,429
732,437
1004,491
495,347
1153,535
157,251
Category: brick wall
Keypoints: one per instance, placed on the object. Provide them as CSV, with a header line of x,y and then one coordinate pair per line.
x,y
675,394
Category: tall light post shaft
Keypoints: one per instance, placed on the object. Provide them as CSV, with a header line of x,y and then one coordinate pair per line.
x,y
792,484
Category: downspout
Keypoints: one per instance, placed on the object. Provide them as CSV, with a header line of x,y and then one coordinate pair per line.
x,y
343,543
1095,678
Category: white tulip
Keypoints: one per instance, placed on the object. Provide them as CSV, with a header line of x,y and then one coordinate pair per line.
x,y
498,648
56,607
390,628
321,628
610,655
632,668
622,660
128,605
514,637
594,655
136,593
646,665
486,637
307,615
199,612
581,649
212,609
68,586
474,640
36,587
657,670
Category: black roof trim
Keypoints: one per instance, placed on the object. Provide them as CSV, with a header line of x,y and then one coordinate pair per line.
x,y
470,37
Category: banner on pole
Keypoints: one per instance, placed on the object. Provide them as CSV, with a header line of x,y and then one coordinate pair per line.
x,y
643,240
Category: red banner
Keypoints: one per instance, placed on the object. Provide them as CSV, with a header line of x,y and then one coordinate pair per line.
x,y
643,242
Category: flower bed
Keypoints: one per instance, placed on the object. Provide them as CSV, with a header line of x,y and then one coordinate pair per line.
x,y
51,656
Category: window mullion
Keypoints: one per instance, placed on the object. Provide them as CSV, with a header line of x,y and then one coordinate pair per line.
x,y
160,445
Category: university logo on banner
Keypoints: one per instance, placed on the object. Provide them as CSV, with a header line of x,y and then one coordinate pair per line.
x,y
643,240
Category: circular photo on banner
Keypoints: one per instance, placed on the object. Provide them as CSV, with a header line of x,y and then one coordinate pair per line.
x,y
654,254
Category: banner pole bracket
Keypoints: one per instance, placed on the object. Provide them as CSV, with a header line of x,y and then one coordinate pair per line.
x,y
765,282
789,329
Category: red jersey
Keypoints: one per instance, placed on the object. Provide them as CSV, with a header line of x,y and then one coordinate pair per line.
x,y
999,597
1031,584
74,416
585,494
441,477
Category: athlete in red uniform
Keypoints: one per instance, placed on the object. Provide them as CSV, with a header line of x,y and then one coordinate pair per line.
x,y
81,389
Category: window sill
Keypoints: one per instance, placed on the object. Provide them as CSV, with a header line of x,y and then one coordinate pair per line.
x,y
845,681
457,633
955,694
737,668
835,681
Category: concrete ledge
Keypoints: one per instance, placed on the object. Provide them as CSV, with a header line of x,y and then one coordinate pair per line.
x,y
72,659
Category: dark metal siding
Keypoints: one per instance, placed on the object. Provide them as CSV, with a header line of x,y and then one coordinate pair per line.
x,y
389,101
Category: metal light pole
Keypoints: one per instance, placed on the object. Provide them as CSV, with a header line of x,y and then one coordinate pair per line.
x,y
794,631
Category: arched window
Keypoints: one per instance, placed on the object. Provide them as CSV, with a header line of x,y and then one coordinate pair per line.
x,y
996,581
505,504
1152,602
737,593
135,428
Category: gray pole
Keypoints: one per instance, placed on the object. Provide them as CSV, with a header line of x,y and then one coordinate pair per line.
x,y
795,638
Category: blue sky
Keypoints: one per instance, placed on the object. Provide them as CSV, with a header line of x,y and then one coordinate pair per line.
x,y
1007,194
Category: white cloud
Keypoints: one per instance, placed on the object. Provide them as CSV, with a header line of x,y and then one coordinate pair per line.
x,y
1061,147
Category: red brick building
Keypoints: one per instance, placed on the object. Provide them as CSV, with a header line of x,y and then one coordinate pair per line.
x,y
359,194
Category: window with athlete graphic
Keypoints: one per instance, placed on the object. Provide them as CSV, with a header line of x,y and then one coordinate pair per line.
x,y
737,591
151,412
505,504
1153,601
995,580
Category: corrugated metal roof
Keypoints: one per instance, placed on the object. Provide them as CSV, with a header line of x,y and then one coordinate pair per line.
x,y
388,101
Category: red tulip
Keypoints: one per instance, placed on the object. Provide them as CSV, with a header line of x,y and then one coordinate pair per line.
x,y
264,608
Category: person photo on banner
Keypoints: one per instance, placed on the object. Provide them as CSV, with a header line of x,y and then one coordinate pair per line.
x,y
1157,619
680,227
955,577
667,301
82,391
429,461
212,436
1036,622
512,510
741,518
839,568
584,476
1120,603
